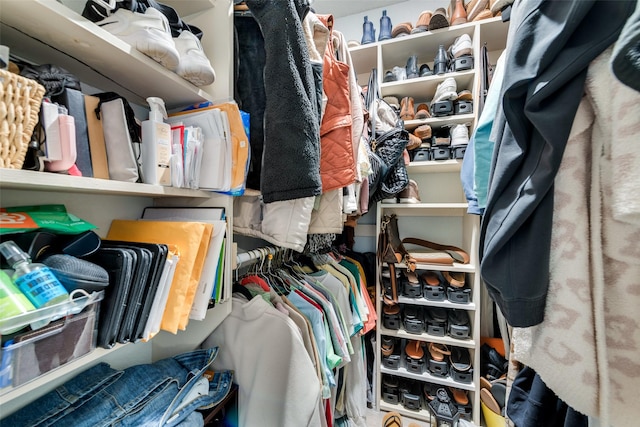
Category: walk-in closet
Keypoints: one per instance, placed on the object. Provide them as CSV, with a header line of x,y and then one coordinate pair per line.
x,y
297,213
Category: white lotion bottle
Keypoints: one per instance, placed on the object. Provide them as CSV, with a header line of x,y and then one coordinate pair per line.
x,y
156,145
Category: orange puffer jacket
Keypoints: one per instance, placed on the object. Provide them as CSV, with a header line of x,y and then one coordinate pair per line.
x,y
337,159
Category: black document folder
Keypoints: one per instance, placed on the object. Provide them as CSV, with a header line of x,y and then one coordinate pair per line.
x,y
151,260
119,263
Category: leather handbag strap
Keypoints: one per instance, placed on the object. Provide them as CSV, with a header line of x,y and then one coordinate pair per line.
x,y
458,255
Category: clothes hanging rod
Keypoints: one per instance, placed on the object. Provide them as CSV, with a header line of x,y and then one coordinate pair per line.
x,y
255,255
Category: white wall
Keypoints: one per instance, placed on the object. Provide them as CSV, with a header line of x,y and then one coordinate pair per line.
x,y
351,26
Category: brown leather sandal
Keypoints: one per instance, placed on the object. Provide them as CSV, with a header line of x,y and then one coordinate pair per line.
x,y
431,278
392,419
454,278
414,349
461,397
438,351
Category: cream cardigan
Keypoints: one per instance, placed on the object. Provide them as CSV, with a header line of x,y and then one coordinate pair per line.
x,y
587,350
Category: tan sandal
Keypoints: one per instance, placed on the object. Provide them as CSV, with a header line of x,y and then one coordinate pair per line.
x,y
454,278
392,419
438,351
460,396
414,349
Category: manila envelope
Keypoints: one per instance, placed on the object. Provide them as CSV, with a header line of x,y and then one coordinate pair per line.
x,y
192,240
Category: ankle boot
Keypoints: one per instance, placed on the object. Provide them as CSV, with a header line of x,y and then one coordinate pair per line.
x,y
368,32
459,14
440,61
385,27
407,111
412,67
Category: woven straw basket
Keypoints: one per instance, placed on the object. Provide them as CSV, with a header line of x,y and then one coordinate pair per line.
x,y
20,100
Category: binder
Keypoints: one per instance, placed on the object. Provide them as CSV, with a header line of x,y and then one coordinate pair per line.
x,y
95,134
119,264
138,283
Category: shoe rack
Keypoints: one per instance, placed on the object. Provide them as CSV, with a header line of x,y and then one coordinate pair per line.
x,y
54,32
404,383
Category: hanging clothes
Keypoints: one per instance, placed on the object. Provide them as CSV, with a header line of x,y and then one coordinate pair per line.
x,y
291,155
542,87
277,381
586,349
337,158
324,304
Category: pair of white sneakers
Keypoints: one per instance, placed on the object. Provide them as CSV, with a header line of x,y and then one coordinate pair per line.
x,y
150,33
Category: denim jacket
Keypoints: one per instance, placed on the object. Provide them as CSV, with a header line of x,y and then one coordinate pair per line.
x,y
142,395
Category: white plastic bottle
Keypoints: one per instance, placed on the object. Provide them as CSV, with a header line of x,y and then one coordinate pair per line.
x,y
36,281
156,145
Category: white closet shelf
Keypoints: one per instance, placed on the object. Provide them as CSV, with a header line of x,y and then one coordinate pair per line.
x,y
46,31
435,166
443,304
186,8
81,363
466,268
401,333
426,376
165,345
425,209
30,180
425,86
422,414
456,119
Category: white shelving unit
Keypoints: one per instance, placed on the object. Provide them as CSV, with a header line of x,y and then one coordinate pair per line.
x,y
48,31
442,214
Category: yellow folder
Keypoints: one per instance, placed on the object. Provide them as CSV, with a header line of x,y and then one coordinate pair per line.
x,y
192,240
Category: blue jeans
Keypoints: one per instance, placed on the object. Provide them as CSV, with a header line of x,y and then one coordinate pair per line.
x,y
142,395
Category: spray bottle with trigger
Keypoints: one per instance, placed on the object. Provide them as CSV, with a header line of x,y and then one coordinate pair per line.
x,y
156,145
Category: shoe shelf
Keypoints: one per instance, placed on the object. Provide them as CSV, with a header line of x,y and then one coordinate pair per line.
x,y
427,377
401,333
47,31
456,119
441,215
425,87
435,166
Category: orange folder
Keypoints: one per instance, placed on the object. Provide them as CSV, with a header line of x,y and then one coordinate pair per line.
x,y
192,240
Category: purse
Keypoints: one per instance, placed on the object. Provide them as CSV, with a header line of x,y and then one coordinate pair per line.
x,y
387,144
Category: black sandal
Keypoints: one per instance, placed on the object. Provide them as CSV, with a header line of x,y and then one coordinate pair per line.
x,y
458,326
460,365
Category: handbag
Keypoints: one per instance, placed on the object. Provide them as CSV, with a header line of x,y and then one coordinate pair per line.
x,y
387,142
